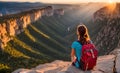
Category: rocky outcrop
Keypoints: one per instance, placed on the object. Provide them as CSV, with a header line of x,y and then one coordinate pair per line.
x,y
110,11
59,11
108,36
116,52
11,25
105,64
118,63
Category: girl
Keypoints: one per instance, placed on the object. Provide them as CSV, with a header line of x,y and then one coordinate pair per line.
x,y
83,38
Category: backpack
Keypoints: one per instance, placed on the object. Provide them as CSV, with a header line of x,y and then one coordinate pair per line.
x,y
88,57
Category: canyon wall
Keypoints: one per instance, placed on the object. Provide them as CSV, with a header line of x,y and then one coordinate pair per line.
x,y
108,24
11,25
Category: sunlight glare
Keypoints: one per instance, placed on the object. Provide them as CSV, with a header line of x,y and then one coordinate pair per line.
x,y
111,5
110,1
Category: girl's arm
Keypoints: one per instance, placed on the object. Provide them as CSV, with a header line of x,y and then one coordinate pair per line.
x,y
72,55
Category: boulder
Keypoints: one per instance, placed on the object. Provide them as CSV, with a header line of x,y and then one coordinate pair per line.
x,y
118,63
105,64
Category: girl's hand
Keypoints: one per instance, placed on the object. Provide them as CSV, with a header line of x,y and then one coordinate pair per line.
x,y
73,59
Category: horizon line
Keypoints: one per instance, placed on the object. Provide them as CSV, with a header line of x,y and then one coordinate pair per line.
x,y
56,2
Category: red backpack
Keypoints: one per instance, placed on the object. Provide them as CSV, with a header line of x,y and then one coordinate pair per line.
x,y
89,57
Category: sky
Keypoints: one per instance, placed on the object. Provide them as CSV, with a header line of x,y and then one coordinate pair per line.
x,y
62,1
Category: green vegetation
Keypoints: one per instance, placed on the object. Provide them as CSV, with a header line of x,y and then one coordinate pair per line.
x,y
42,41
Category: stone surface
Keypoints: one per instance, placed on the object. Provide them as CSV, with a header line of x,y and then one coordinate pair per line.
x,y
118,63
116,51
105,64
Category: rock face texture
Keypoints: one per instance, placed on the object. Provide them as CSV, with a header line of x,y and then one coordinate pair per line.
x,y
14,24
118,64
116,52
107,22
105,64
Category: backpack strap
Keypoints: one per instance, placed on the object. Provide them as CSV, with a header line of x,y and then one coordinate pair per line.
x,y
89,42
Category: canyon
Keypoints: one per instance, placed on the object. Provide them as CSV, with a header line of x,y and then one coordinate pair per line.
x,y
31,39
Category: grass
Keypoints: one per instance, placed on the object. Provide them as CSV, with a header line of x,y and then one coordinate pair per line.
x,y
39,43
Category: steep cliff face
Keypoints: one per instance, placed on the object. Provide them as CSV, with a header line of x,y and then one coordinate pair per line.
x,y
108,35
12,25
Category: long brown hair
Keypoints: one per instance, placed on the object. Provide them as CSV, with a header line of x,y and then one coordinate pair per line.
x,y
82,32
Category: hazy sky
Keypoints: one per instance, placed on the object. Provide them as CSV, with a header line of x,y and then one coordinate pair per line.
x,y
63,1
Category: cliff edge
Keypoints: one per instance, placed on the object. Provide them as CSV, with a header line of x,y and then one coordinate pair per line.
x,y
105,64
107,35
14,24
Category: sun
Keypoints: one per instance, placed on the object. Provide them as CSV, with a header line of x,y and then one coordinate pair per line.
x,y
110,1
111,5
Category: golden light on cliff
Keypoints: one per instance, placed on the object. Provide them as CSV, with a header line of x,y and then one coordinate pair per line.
x,y
111,5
